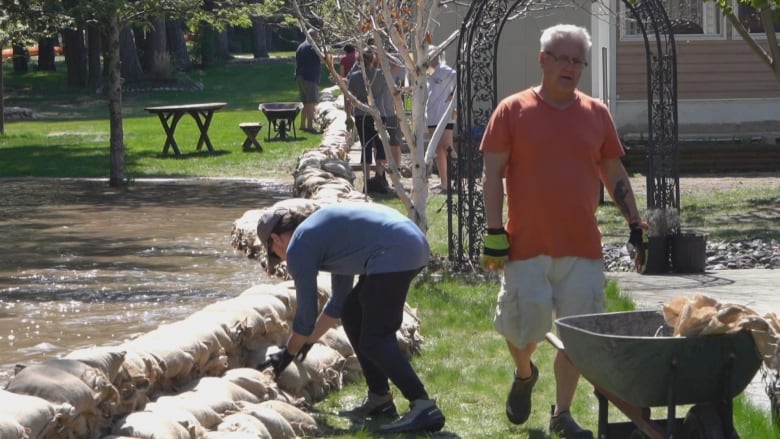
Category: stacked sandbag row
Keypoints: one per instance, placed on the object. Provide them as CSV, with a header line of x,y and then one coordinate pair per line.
x,y
702,315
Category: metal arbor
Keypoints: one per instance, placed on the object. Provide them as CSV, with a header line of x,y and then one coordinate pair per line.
x,y
477,97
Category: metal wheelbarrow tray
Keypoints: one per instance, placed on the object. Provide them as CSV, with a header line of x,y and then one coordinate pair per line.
x,y
281,116
632,359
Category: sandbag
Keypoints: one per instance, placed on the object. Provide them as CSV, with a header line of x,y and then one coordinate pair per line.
x,y
276,424
38,415
198,407
11,429
259,383
54,385
149,425
180,415
301,422
244,423
220,388
337,339
107,359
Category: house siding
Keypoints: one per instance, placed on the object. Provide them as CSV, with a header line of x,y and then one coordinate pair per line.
x,y
706,69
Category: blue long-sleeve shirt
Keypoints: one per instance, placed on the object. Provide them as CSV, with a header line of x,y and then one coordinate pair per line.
x,y
349,239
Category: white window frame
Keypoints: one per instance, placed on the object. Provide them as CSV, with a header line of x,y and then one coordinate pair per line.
x,y
756,35
710,14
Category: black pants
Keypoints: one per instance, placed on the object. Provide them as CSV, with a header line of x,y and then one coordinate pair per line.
x,y
369,138
372,313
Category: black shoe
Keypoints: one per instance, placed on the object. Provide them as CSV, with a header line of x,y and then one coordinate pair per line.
x,y
423,415
377,185
374,406
563,426
518,403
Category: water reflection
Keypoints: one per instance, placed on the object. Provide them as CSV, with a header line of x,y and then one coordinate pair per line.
x,y
82,264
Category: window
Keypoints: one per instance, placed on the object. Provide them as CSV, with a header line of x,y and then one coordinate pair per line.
x,y
749,17
687,17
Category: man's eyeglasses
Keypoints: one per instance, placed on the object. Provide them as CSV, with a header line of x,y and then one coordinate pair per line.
x,y
565,61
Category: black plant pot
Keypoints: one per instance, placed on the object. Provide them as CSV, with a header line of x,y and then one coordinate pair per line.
x,y
689,252
658,253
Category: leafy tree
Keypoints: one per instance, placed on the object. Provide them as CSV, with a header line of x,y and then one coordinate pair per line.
x,y
768,13
398,31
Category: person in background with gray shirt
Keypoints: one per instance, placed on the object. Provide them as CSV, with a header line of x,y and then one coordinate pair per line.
x,y
386,250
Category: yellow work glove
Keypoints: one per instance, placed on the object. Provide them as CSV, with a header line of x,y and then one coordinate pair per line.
x,y
495,251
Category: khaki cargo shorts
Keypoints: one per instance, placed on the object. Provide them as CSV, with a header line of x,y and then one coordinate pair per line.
x,y
533,289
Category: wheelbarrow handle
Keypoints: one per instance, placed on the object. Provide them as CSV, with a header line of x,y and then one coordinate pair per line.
x,y
555,341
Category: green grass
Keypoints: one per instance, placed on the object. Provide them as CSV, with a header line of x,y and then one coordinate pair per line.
x,y
465,363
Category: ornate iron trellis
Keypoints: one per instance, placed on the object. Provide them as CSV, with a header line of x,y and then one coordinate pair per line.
x,y
477,97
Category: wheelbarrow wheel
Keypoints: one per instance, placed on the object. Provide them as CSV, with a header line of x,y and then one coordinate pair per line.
x,y
704,421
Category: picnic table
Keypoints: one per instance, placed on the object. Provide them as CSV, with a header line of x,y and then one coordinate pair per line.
x,y
171,114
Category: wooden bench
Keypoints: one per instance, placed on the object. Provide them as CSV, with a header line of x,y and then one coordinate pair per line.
x,y
251,129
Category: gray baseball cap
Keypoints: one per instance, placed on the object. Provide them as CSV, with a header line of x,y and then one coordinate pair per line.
x,y
266,225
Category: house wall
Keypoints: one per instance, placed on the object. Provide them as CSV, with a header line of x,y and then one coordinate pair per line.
x,y
518,46
724,90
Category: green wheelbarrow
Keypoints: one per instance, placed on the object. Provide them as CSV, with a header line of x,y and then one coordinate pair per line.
x,y
634,362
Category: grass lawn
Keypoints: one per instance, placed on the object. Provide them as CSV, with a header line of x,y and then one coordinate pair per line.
x,y
465,364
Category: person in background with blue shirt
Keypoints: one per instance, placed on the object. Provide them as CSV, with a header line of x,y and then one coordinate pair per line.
x,y
308,69
386,250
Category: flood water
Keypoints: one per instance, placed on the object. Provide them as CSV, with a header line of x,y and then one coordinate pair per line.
x,y
82,264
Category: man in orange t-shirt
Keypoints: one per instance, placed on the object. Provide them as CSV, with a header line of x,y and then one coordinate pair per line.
x,y
553,144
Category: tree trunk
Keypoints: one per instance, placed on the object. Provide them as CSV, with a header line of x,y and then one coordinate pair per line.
x,y
130,65
176,45
75,57
208,43
156,60
20,59
259,44
46,54
2,98
114,95
223,45
95,67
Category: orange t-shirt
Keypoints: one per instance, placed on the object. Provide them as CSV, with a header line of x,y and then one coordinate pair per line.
x,y
552,174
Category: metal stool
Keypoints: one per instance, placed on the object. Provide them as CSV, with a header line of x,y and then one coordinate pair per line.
x,y
251,129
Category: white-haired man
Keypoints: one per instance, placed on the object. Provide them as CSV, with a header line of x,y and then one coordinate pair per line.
x,y
553,144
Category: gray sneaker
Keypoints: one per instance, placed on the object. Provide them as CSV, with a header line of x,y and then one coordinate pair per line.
x,y
563,426
423,415
374,406
518,403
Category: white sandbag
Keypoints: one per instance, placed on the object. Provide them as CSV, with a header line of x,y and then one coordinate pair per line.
x,y
107,359
258,383
175,363
244,423
302,423
216,387
148,425
180,415
54,385
284,291
38,415
295,380
198,407
276,424
228,435
220,405
337,339
323,366
10,429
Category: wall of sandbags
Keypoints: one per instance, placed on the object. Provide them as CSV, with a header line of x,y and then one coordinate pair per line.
x,y
196,378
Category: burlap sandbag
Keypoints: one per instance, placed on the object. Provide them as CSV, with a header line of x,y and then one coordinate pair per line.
x,y
302,423
11,429
228,435
323,366
276,424
38,415
107,359
180,415
198,407
219,387
149,425
336,338
54,385
244,423
259,383
284,291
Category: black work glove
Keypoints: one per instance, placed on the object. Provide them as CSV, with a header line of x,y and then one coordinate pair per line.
x,y
495,251
637,246
278,361
301,355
